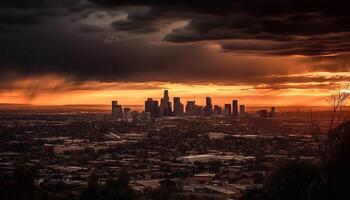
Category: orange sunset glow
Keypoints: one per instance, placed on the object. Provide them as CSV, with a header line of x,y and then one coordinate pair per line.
x,y
60,91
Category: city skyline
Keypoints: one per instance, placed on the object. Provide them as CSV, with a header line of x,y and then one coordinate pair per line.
x,y
153,109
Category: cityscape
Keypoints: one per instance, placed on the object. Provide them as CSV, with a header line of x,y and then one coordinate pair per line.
x,y
198,152
174,99
154,109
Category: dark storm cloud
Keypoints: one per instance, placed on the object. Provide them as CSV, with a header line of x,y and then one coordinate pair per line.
x,y
274,20
36,38
228,6
243,26
221,18
309,46
86,57
19,12
85,28
147,19
134,26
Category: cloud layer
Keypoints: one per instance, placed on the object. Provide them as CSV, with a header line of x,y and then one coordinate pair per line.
x,y
243,42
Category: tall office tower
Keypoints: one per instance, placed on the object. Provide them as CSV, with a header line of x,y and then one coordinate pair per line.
x,y
208,109
242,110
166,95
168,108
235,108
149,105
177,102
114,105
199,111
165,105
178,107
191,108
115,110
227,110
217,110
155,108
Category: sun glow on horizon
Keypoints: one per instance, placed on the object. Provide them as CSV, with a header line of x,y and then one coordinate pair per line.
x,y
56,90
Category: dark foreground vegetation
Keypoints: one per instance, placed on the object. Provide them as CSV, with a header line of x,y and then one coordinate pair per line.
x,y
326,180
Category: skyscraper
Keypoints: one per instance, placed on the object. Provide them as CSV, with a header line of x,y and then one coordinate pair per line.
x,y
208,109
117,111
114,109
155,109
151,106
191,108
217,110
178,107
242,110
199,110
166,94
165,105
227,110
235,108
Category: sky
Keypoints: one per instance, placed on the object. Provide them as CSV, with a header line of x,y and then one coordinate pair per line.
x,y
261,52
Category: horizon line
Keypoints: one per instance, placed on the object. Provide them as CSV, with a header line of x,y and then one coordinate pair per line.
x,y
53,105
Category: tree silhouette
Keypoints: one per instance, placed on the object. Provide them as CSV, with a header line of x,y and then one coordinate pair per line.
x,y
91,192
337,163
112,189
18,186
290,180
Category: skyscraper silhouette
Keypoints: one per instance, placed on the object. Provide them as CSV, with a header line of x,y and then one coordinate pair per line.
x,y
151,106
117,111
178,107
235,108
165,105
208,109
191,108
242,110
227,110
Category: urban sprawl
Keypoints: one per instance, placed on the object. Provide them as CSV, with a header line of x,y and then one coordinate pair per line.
x,y
207,152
